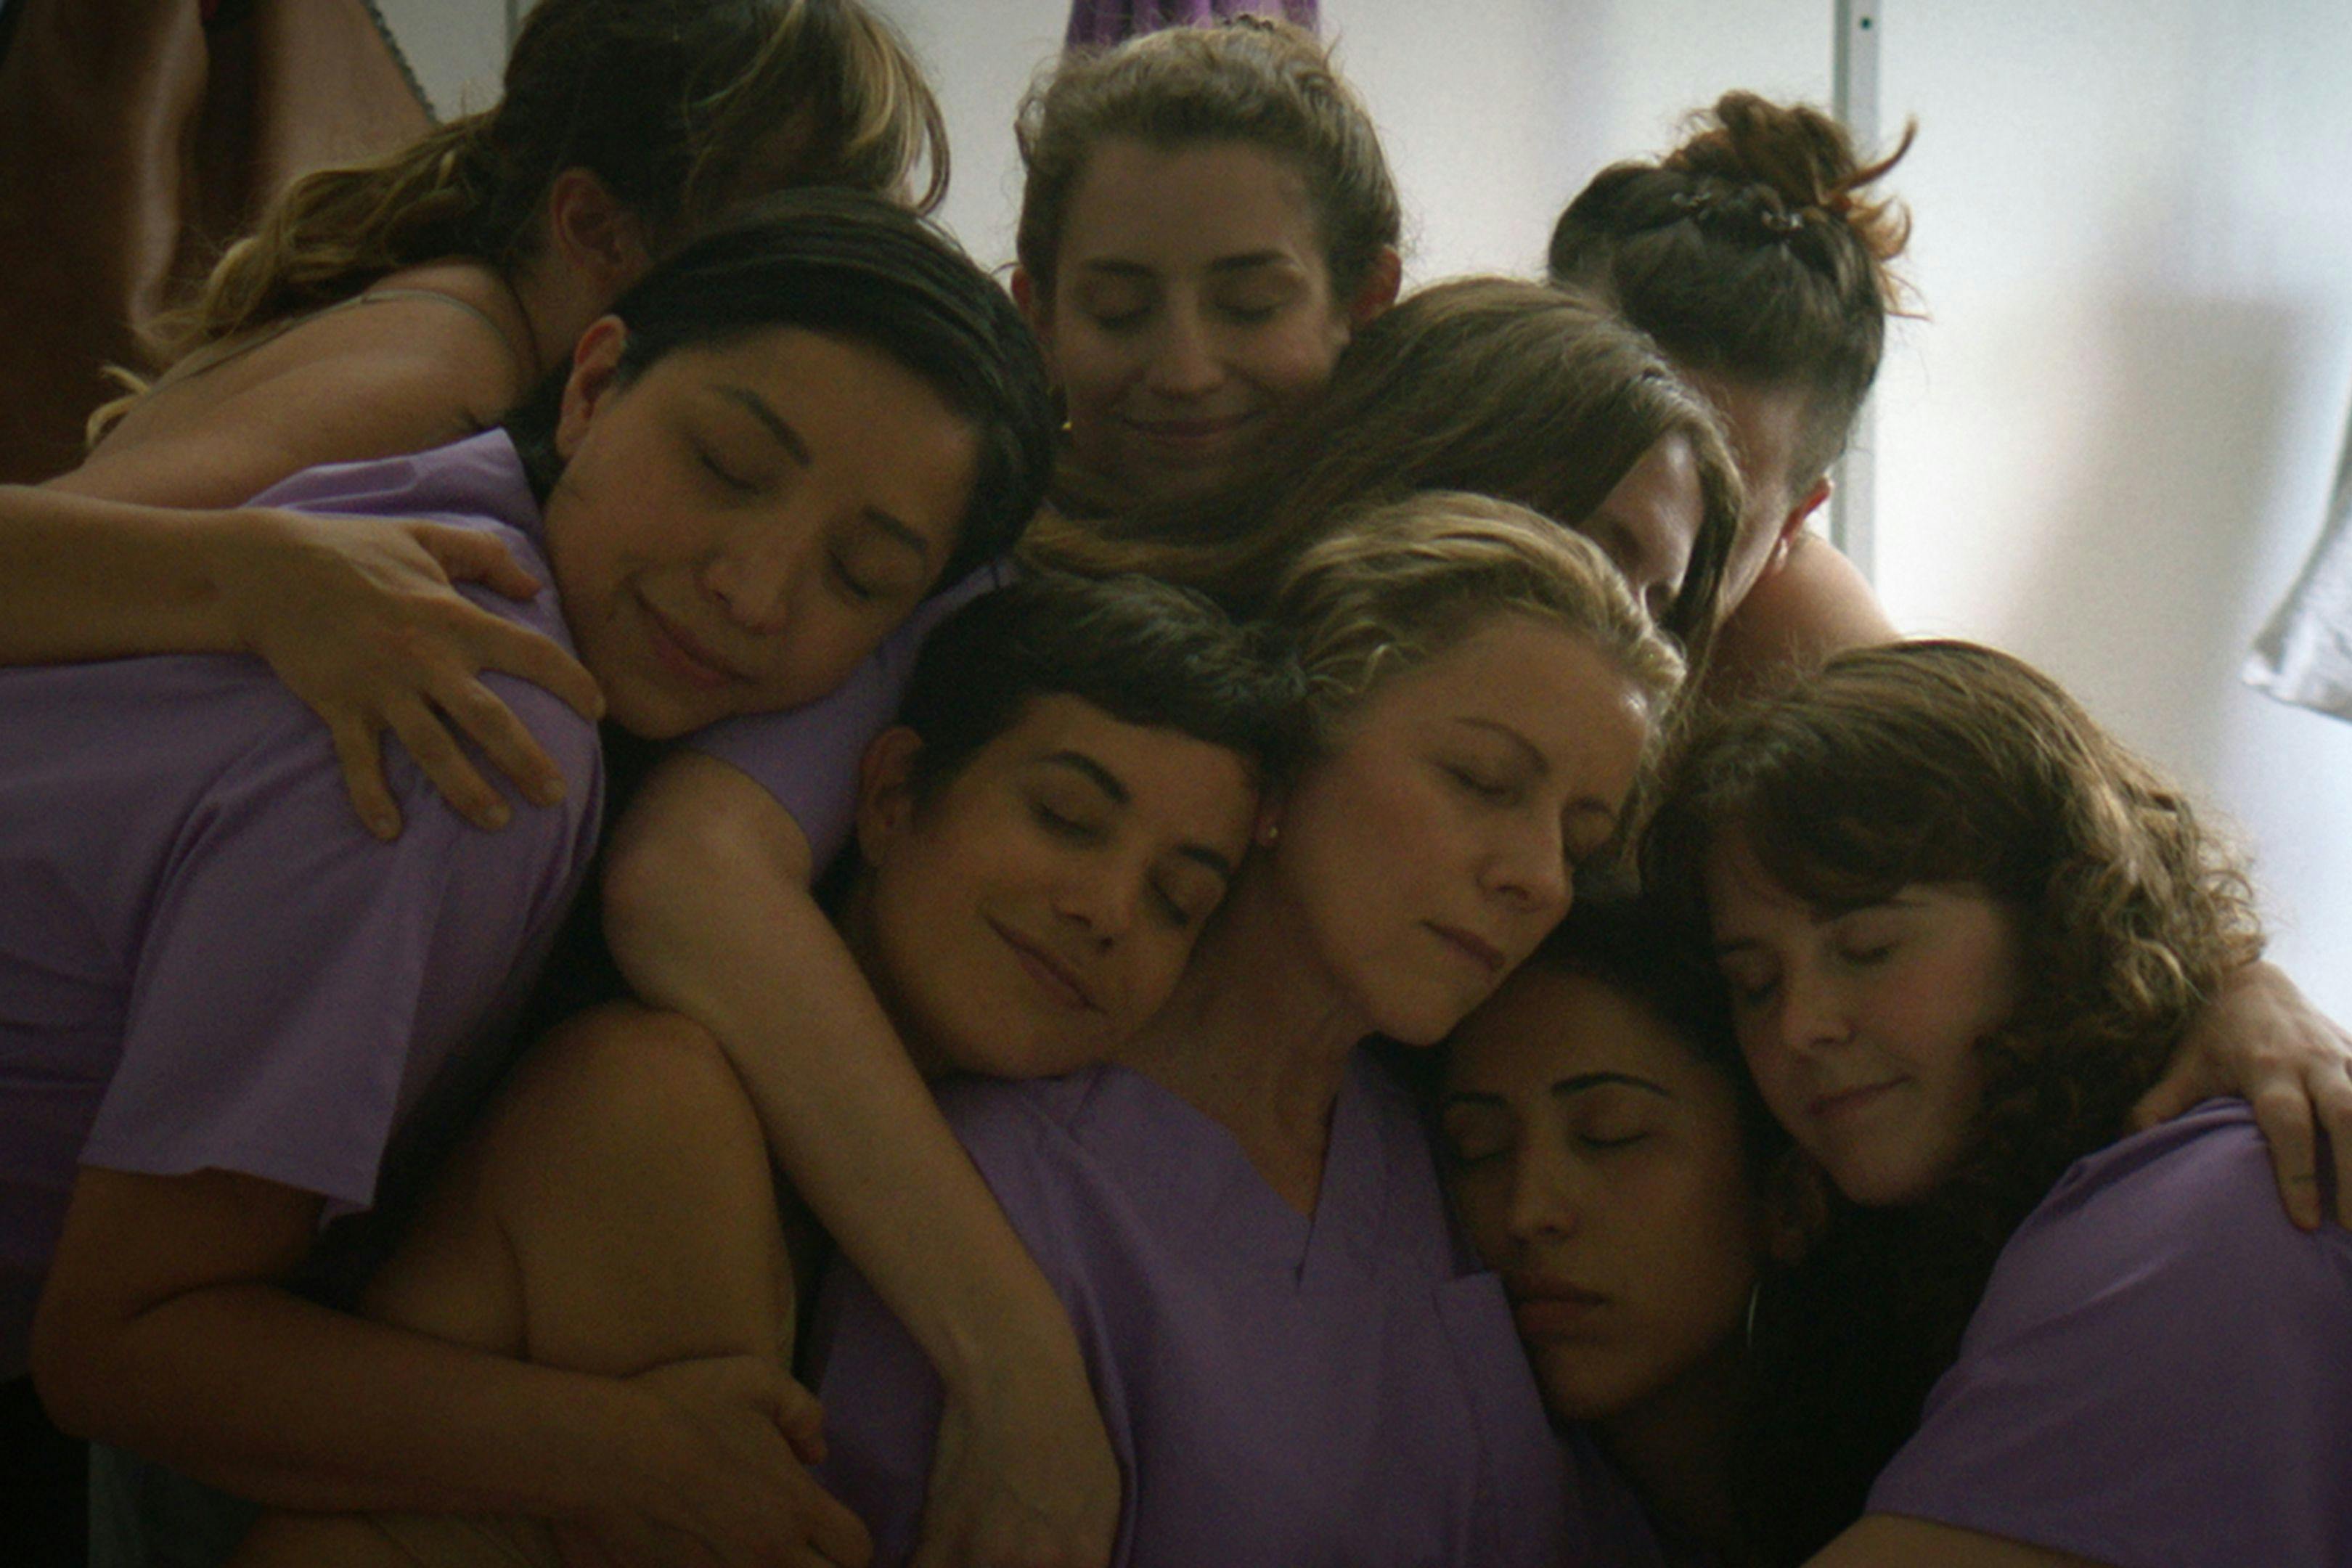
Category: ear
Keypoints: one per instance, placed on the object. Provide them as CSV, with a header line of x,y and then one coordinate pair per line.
x,y
595,370
1794,524
594,235
1379,290
885,791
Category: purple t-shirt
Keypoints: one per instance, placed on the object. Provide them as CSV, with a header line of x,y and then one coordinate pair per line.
x,y
808,758
1278,1390
2161,1372
205,961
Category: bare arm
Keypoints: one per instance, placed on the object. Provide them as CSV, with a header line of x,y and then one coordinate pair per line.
x,y
357,616
708,908
1887,1541
163,1329
1814,604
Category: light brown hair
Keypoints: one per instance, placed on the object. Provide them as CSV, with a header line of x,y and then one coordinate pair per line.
x,y
1488,385
681,107
1263,83
1754,251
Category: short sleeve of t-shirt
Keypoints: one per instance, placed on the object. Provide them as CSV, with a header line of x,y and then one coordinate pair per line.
x,y
2161,1372
297,984
807,757
883,1400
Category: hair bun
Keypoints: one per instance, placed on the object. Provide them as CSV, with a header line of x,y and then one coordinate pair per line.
x,y
1799,164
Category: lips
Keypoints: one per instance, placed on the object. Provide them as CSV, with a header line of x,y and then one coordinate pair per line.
x,y
1471,945
1054,976
1553,1309
1197,437
1845,1103
684,655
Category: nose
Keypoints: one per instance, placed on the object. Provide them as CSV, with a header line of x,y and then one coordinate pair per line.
x,y
1543,1200
1102,899
1810,1014
756,575
1183,361
1528,867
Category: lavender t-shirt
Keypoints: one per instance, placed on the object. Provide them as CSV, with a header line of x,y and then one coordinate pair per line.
x,y
205,961
1278,1390
808,757
2161,1372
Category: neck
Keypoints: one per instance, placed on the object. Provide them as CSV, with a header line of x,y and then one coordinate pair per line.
x,y
557,306
1674,1448
1257,1035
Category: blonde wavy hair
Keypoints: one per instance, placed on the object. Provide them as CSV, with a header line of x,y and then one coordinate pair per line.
x,y
1391,587
681,107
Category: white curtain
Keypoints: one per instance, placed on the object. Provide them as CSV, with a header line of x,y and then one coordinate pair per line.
x,y
2304,655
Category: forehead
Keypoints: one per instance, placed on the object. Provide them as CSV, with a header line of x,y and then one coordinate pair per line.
x,y
1742,897
1198,789
1187,207
1548,1024
1539,681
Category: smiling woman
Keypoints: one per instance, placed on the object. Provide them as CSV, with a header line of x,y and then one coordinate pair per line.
x,y
1240,1213
260,1018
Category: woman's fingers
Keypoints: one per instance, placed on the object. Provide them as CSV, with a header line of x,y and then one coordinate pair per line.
x,y
444,765
358,750
517,650
469,555
2284,1111
2331,1097
505,739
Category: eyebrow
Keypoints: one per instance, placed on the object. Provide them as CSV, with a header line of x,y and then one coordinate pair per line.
x,y
1583,805
1245,262
897,530
1111,785
775,423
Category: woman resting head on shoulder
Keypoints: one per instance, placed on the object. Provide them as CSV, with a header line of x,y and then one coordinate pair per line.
x,y
1757,256
1610,1159
1071,787
488,246
1486,386
1206,219
1483,693
783,436
1964,930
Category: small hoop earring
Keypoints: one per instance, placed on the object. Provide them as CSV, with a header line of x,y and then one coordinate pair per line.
x,y
1755,1294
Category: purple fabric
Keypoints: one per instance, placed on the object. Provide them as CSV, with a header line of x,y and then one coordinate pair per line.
x,y
2161,1372
808,757
205,961
1101,23
1278,1390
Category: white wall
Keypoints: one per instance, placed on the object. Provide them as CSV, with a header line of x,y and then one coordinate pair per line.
x,y
2108,445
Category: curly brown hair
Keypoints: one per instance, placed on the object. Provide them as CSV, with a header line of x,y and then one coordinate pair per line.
x,y
1948,762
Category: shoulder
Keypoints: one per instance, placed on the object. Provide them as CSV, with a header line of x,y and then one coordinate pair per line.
x,y
1816,604
396,375
2159,1357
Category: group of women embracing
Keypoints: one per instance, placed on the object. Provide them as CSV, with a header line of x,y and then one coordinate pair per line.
x,y
1017,1001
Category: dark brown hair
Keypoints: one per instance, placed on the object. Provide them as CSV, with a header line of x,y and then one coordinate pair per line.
x,y
1263,83
1947,762
1752,251
1488,385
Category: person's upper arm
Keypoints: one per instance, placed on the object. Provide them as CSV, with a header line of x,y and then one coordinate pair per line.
x,y
1815,605
378,381
297,984
808,757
